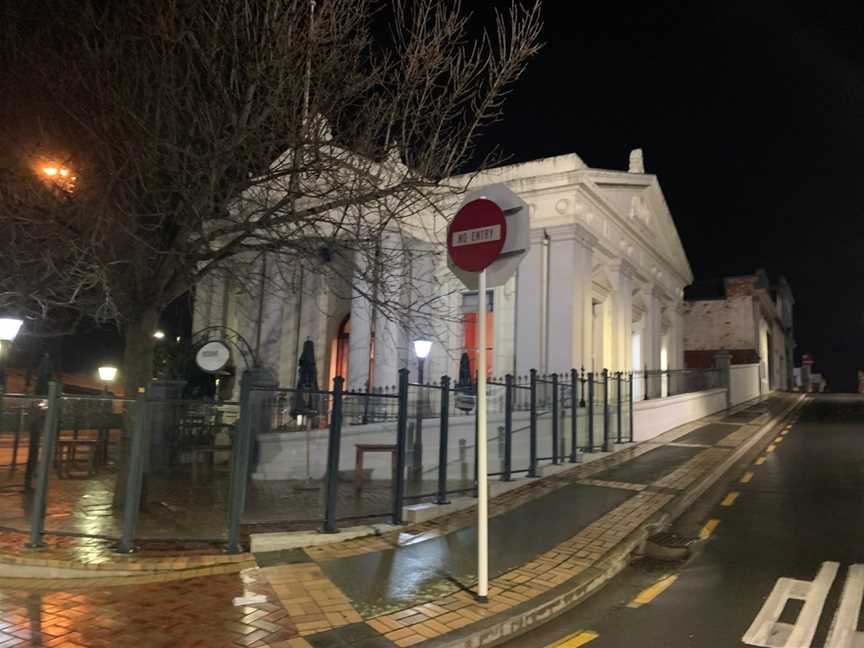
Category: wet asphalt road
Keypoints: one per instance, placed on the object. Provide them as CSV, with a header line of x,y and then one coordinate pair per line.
x,y
804,505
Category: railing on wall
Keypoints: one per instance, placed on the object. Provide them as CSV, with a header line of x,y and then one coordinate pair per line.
x,y
216,470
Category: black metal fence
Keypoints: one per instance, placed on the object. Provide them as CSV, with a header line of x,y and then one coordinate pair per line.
x,y
172,469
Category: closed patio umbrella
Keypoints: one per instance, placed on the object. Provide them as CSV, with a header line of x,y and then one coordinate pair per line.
x,y
306,399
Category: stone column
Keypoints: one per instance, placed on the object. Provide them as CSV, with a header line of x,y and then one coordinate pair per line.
x,y
570,253
622,317
360,342
529,299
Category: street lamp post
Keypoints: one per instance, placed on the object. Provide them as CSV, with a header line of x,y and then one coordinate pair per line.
x,y
107,374
421,349
9,327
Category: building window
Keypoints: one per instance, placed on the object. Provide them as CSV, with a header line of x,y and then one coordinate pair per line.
x,y
469,329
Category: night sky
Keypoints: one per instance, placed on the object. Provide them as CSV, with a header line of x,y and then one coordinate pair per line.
x,y
749,113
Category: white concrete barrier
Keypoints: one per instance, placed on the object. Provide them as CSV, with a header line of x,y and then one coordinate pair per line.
x,y
659,415
744,382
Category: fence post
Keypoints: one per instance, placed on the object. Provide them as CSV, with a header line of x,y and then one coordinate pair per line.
x,y
630,397
532,425
574,415
17,442
240,457
334,445
508,428
49,437
135,476
607,441
442,441
645,375
590,411
401,434
618,377
555,444
582,385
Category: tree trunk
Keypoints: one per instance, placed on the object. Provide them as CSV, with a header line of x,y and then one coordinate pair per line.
x,y
137,371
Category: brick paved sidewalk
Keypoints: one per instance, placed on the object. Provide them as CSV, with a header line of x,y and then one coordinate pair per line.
x,y
399,589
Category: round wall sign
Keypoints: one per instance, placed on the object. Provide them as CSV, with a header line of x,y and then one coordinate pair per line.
x,y
213,356
476,235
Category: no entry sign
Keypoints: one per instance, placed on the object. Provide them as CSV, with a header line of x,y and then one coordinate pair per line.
x,y
476,235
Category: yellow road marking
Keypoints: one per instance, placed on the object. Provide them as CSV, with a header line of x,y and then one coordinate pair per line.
x,y
760,461
745,479
729,500
778,439
708,529
770,448
648,595
575,640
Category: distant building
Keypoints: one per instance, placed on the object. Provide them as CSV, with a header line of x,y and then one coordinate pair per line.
x,y
751,317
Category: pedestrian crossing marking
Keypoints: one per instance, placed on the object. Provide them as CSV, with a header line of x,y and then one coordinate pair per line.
x,y
649,594
770,448
708,529
760,461
766,630
779,439
575,640
745,479
729,500
844,627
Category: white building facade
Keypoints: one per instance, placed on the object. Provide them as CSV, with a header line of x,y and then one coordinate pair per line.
x,y
600,288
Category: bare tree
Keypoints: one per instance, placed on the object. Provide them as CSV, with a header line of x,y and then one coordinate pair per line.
x,y
197,136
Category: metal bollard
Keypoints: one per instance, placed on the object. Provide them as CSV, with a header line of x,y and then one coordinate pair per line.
x,y
590,411
135,477
508,428
555,419
532,461
607,440
240,459
618,379
49,438
401,434
444,432
574,412
334,444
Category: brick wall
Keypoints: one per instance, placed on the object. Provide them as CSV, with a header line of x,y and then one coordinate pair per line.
x,y
720,324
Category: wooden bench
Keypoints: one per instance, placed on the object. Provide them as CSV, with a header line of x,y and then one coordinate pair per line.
x,y
361,450
66,456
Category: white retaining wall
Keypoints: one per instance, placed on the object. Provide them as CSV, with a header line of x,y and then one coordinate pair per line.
x,y
659,415
744,382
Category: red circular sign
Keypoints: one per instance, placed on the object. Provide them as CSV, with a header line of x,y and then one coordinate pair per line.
x,y
476,235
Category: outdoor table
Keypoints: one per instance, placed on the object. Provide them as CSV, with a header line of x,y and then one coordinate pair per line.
x,y
205,451
67,450
362,449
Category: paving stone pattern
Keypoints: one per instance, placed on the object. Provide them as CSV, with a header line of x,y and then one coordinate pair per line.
x,y
288,601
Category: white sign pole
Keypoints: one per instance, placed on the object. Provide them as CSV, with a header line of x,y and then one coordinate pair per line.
x,y
482,481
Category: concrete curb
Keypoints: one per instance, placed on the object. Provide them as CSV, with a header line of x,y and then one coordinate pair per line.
x,y
551,604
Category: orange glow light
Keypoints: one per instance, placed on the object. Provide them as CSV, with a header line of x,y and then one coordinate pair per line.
x,y
50,171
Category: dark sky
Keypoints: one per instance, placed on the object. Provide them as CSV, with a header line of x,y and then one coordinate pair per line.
x,y
749,113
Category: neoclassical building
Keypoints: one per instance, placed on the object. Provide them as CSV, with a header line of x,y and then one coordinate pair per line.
x,y
600,288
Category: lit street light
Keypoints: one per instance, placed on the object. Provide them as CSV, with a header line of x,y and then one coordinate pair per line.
x,y
107,374
9,328
159,335
421,349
